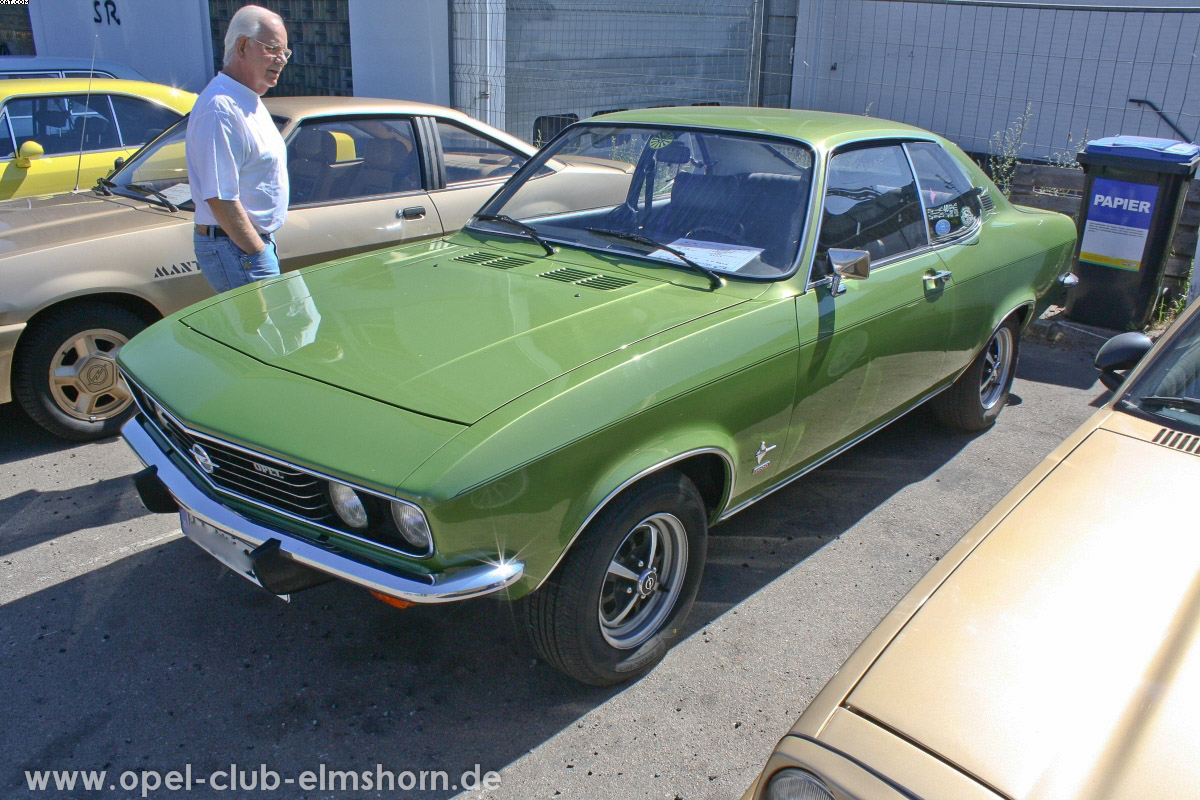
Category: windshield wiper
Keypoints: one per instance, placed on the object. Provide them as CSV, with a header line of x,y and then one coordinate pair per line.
x,y
637,238
137,187
1186,403
528,230
103,185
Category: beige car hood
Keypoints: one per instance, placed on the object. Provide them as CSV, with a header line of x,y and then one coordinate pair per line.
x,y
1061,659
38,223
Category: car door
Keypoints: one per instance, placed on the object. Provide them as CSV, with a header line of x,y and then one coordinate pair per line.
x,y
77,137
472,168
874,346
357,184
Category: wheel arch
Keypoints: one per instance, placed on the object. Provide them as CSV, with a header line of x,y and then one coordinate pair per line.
x,y
139,306
709,467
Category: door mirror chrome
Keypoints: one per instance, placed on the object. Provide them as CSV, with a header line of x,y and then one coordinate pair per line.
x,y
1120,353
852,264
29,151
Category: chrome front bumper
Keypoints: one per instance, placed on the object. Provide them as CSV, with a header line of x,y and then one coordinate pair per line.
x,y
458,584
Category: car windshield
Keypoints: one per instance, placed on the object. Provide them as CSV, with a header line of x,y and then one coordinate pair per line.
x,y
157,171
1170,385
727,202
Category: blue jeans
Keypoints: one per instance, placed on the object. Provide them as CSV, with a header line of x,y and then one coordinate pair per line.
x,y
227,267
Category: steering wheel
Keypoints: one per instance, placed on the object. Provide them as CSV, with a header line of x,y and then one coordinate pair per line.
x,y
723,236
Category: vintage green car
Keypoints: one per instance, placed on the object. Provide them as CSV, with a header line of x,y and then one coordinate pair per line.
x,y
557,402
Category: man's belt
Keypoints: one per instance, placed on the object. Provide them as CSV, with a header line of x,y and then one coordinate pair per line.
x,y
210,230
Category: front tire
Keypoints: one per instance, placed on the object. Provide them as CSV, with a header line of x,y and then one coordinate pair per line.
x,y
619,599
973,402
65,374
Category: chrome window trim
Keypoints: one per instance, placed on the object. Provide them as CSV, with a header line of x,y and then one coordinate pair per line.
x,y
854,144
295,517
725,457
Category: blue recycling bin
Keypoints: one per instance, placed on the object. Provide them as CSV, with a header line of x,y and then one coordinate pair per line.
x,y
1133,192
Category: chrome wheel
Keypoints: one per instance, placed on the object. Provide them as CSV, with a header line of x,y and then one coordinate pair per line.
x,y
643,581
84,381
997,364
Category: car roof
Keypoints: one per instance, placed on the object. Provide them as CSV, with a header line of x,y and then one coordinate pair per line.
x,y
817,127
296,107
17,87
43,63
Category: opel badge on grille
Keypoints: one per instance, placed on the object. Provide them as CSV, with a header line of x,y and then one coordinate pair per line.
x,y
202,459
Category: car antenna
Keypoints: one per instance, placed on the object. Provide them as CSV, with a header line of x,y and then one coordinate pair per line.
x,y
87,106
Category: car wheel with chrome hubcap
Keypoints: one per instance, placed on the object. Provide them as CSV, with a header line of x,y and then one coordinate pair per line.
x,y
618,600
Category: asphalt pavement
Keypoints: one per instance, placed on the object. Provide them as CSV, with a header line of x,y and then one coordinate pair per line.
x,y
124,648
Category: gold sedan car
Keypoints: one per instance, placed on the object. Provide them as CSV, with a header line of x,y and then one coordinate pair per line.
x,y
1054,652
85,271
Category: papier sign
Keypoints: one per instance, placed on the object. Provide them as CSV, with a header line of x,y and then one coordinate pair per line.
x,y
1118,223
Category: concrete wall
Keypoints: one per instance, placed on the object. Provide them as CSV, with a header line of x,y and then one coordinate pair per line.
x,y
400,49
166,40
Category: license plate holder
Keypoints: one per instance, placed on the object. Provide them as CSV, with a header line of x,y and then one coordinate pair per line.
x,y
221,545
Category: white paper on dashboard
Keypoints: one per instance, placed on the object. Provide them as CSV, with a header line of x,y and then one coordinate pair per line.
x,y
714,255
178,194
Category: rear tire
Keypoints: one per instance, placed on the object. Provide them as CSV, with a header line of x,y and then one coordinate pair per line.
x,y
973,402
65,374
619,599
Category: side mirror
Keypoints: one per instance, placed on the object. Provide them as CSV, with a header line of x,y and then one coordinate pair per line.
x,y
852,264
118,162
1119,354
29,151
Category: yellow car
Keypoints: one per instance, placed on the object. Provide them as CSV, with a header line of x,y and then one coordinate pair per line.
x,y
62,134
1054,652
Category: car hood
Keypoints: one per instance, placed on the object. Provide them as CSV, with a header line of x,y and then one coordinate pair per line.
x,y
37,223
1061,658
446,330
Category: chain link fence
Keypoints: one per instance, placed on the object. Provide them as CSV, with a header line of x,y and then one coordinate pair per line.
x,y
531,66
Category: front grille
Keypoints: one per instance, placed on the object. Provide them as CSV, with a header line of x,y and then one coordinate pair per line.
x,y
250,475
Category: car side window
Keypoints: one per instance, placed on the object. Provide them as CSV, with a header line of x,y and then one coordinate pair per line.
x,y
7,148
64,125
139,120
871,203
347,159
470,157
951,203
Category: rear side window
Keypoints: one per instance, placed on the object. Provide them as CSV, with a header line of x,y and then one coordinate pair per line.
x,y
951,202
140,120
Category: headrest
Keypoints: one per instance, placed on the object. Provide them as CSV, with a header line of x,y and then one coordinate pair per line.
x,y
384,154
51,118
314,144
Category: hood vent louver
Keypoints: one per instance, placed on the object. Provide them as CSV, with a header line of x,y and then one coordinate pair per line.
x,y
589,280
1178,441
605,282
489,260
567,275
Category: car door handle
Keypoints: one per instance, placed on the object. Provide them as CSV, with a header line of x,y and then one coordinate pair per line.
x,y
932,279
412,212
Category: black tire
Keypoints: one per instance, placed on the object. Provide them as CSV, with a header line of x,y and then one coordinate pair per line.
x,y
82,339
575,619
973,402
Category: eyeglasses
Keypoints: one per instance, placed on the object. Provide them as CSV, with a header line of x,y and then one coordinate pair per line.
x,y
273,50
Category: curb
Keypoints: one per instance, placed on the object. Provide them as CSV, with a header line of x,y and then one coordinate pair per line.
x,y
1051,329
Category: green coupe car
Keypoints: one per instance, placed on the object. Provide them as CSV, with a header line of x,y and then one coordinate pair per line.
x,y
556,403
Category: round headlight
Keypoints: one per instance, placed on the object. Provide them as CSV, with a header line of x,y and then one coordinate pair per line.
x,y
796,784
412,526
348,505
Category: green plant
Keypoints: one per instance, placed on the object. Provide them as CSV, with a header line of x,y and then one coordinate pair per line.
x,y
1066,159
1003,149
